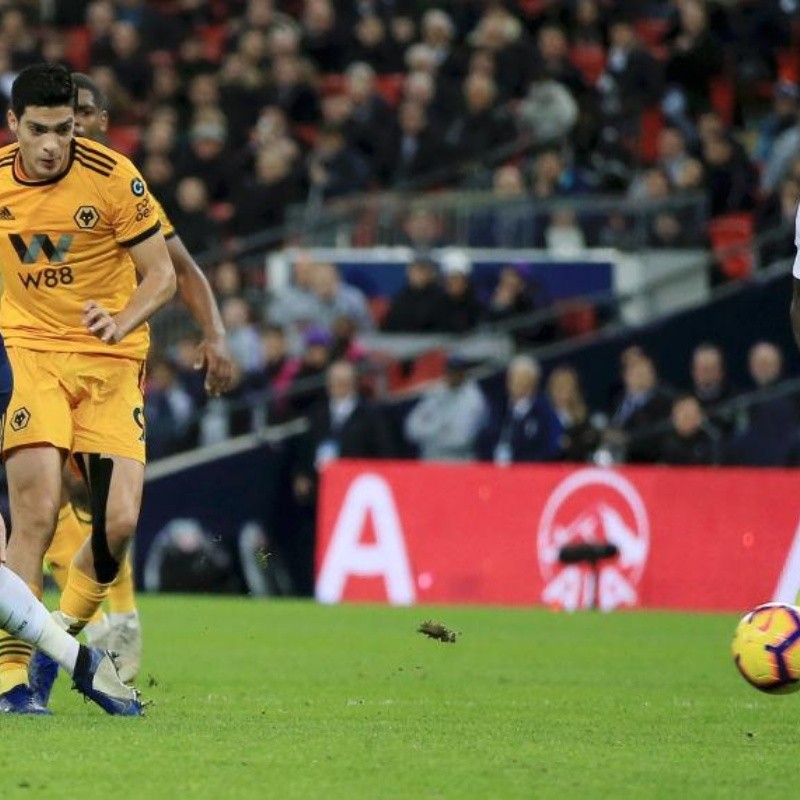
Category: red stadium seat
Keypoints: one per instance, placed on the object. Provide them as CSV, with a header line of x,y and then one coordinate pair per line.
x,y
650,125
78,41
590,59
723,98
534,8
390,88
426,368
652,30
214,37
378,308
331,84
124,138
577,318
788,65
307,134
731,238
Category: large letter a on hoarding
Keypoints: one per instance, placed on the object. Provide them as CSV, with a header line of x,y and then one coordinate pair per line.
x,y
348,556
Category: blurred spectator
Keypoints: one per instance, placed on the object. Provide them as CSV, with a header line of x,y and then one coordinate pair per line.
x,y
335,169
100,18
482,127
417,308
462,310
563,236
206,158
342,425
516,297
169,411
770,437
242,334
422,230
324,38
261,202
500,34
673,153
525,428
510,222
199,232
632,79
369,125
275,374
294,306
417,148
690,440
307,382
665,227
345,345
375,46
695,58
581,436
710,384
552,61
438,33
782,118
129,61
552,176
226,280
730,177
445,423
644,404
758,30
336,299
292,91
587,27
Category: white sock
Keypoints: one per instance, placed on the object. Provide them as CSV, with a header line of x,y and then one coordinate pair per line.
x,y
116,619
24,617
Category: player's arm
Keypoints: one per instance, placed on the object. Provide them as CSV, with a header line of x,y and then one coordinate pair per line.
x,y
794,312
156,287
196,293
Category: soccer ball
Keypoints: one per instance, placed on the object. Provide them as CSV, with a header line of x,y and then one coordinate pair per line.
x,y
766,648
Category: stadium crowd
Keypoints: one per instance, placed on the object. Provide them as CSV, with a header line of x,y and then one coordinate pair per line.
x,y
237,109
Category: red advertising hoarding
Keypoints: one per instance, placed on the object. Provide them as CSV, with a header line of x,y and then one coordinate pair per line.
x,y
404,533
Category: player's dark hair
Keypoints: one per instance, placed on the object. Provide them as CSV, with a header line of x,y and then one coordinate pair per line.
x,y
47,85
83,81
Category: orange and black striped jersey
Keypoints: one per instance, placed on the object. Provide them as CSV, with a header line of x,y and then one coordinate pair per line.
x,y
64,241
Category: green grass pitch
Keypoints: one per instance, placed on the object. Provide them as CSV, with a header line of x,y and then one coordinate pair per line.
x,y
265,699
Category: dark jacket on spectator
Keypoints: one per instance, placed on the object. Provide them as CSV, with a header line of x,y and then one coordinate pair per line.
x,y
461,314
416,310
531,436
364,434
644,446
696,450
771,436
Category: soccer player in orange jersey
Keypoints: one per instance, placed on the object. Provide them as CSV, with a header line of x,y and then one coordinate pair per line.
x,y
120,631
84,265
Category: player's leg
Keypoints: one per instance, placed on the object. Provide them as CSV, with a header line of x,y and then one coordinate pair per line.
x,y
109,436
115,486
34,483
72,530
125,630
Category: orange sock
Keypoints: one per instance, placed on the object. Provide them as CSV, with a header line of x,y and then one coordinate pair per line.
x,y
71,533
121,598
81,599
15,656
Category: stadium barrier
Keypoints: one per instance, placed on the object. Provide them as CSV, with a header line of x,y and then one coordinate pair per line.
x,y
692,539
